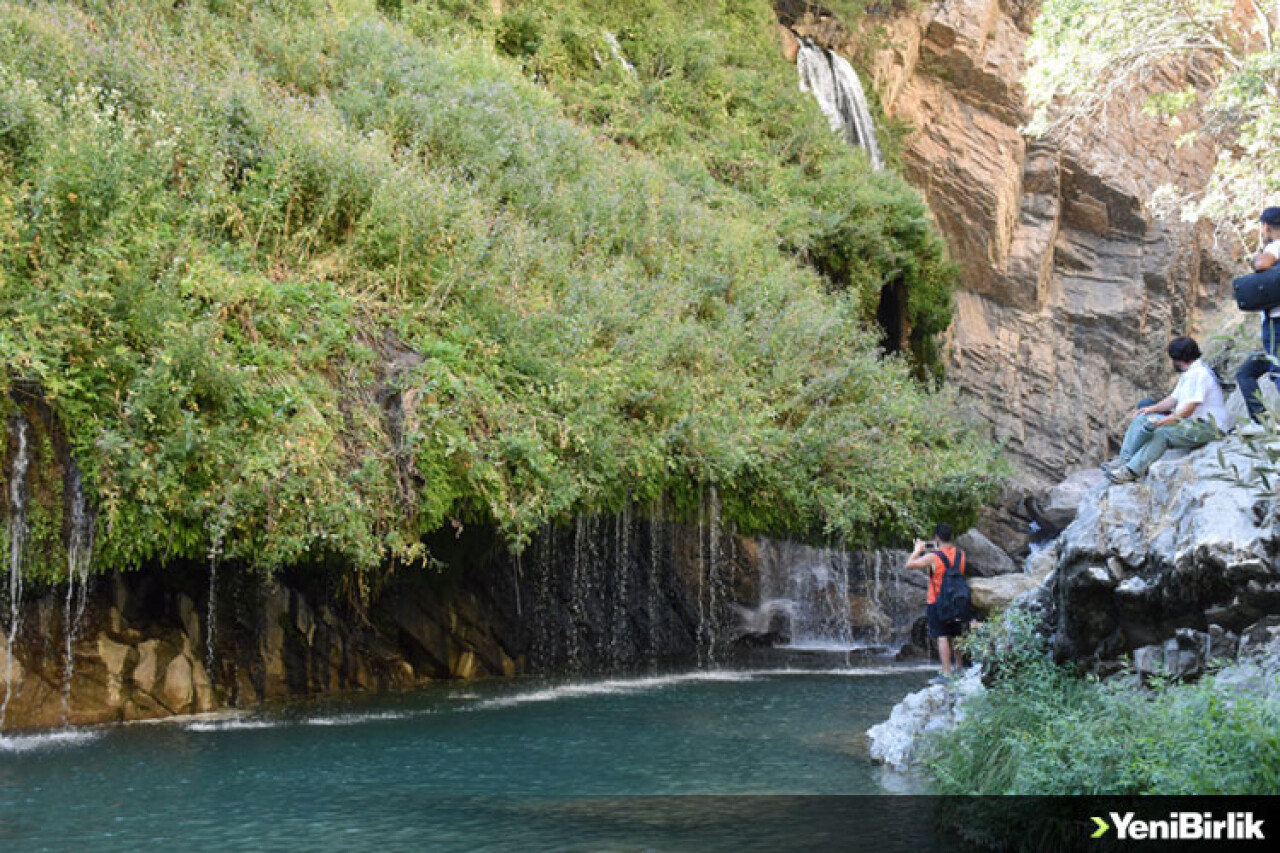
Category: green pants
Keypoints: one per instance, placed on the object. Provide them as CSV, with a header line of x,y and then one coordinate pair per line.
x,y
1144,445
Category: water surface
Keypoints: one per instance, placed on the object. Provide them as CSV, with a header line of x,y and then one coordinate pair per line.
x,y
727,759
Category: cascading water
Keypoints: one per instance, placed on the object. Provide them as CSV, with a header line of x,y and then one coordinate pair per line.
x,y
17,537
711,580
79,560
831,599
217,535
618,611
832,81
653,610
609,594
804,595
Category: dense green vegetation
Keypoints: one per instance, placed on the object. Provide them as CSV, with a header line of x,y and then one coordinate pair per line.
x,y
1042,729
305,280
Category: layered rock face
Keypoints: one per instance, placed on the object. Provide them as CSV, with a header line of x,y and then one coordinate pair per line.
x,y
1070,289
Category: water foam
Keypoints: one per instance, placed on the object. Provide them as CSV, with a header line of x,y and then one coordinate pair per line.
x,y
613,687
354,719
230,725
47,740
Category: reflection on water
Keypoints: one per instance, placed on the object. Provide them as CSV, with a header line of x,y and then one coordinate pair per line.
x,y
689,761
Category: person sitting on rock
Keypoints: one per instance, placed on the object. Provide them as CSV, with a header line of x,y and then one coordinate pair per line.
x,y
1259,364
932,561
1189,417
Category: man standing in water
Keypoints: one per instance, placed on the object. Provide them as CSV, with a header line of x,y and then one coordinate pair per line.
x,y
936,562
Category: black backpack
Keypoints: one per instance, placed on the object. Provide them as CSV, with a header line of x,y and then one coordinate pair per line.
x,y
953,599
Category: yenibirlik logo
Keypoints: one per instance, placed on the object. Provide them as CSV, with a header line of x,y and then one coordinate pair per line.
x,y
1183,826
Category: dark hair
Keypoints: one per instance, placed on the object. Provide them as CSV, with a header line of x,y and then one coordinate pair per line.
x,y
1270,216
1184,349
942,530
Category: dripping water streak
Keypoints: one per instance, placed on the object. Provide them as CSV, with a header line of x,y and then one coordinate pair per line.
x,y
79,558
655,556
519,569
715,578
210,616
702,582
577,615
17,534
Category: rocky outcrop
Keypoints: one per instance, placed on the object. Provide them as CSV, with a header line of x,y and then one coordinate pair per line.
x,y
1191,546
1070,288
897,741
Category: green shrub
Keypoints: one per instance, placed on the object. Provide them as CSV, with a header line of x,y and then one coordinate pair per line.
x,y
236,233
1046,730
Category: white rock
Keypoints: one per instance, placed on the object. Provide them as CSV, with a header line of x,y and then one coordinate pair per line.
x,y
933,709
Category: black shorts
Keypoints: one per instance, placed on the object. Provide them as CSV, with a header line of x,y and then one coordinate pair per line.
x,y
938,628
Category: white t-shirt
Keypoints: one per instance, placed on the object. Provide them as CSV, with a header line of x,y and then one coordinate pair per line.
x,y
1198,385
1272,249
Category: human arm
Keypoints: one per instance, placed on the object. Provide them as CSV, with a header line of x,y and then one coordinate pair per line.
x,y
920,558
1159,408
1266,258
1182,412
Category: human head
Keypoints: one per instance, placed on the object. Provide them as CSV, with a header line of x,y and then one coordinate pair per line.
x,y
942,531
1270,219
1183,351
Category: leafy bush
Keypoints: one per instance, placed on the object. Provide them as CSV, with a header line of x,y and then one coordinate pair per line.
x,y
1043,729
301,285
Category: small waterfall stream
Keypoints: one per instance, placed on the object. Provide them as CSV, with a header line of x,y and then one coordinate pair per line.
x,y
829,599
832,81
79,560
17,537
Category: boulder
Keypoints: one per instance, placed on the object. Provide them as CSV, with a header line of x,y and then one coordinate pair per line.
x,y
1059,507
938,707
991,595
1185,655
1186,547
982,557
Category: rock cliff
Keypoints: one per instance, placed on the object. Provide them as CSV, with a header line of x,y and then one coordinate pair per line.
x,y
1070,288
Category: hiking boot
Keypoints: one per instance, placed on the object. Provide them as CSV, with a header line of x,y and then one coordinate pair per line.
x,y
1121,474
1250,429
1110,465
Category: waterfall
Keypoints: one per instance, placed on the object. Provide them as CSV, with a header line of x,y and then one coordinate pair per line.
x,y
621,592
805,596
17,536
832,81
830,599
79,559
